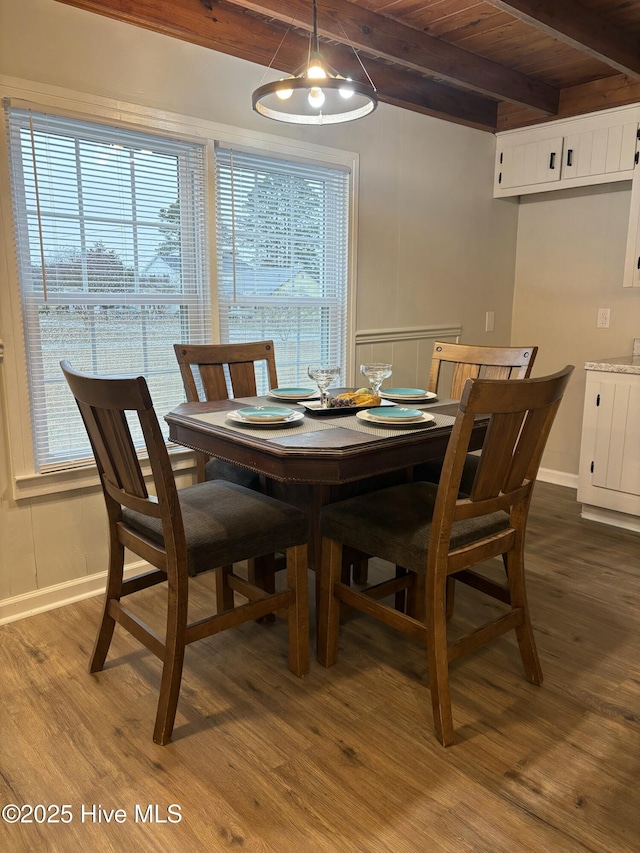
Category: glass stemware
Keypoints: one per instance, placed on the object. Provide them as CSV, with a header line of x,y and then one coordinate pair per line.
x,y
323,375
376,373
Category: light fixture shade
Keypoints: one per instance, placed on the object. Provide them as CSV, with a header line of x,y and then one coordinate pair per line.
x,y
315,94
344,100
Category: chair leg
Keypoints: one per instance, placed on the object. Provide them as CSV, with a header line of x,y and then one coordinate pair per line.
x,y
361,572
224,593
451,596
524,632
328,619
262,573
113,591
172,664
400,598
417,597
298,612
438,660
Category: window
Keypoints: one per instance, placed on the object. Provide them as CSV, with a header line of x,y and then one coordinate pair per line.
x,y
282,246
111,244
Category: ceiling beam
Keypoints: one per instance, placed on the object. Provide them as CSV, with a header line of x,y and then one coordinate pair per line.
x,y
228,29
386,39
579,27
603,94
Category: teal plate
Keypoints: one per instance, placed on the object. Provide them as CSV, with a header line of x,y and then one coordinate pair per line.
x,y
293,393
394,413
265,413
404,392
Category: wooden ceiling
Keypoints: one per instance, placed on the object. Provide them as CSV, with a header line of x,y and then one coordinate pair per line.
x,y
493,64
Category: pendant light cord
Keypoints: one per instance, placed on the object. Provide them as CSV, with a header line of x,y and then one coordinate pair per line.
x,y
357,55
268,68
316,47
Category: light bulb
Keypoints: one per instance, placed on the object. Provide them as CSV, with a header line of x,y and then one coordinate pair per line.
x,y
284,94
315,71
346,91
316,97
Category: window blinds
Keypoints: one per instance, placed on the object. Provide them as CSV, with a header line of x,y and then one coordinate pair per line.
x,y
110,229
282,253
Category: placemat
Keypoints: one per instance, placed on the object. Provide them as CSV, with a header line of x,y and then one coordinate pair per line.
x,y
313,424
355,424
267,432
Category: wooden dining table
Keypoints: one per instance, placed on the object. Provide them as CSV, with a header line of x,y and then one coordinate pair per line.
x,y
323,457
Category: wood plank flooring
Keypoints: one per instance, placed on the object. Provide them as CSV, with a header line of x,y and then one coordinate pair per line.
x,y
345,759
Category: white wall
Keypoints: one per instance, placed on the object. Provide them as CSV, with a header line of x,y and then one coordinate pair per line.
x,y
434,248
570,262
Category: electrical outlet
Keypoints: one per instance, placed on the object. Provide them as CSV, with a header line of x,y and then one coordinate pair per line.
x,y
603,318
490,321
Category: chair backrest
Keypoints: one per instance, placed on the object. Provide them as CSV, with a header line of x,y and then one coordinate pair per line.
x,y
473,362
213,361
521,413
103,403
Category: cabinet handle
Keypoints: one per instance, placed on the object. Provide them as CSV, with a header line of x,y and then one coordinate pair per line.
x,y
500,181
639,263
570,157
552,160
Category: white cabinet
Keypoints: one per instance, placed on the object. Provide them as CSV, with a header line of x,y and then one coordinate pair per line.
x,y
601,151
575,152
529,163
609,475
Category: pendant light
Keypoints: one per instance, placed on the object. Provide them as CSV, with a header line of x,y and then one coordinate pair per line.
x,y
315,94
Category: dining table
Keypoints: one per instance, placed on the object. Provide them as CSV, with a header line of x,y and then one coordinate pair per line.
x,y
321,456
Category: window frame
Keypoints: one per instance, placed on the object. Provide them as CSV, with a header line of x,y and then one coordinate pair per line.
x,y
24,482
340,310
83,140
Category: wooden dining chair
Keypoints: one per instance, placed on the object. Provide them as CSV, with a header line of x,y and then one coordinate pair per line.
x,y
469,361
462,362
221,372
181,533
433,534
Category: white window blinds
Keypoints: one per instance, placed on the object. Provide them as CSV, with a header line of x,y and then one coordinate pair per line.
x,y
282,247
111,246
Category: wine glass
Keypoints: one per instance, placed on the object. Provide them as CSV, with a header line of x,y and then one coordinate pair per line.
x,y
376,373
323,375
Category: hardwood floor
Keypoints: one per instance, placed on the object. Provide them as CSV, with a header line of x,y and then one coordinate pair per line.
x,y
345,759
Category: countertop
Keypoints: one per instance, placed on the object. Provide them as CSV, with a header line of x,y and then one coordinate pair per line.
x,y
621,364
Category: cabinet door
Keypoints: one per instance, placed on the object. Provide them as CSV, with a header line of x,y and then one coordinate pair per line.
x,y
597,152
530,163
616,458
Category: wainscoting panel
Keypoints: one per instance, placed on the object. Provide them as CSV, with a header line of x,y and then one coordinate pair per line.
x,y
408,350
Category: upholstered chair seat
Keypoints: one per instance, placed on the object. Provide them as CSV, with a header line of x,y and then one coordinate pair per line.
x,y
224,522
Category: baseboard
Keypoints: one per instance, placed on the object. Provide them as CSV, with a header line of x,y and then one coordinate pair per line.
x,y
558,478
59,595
610,517
591,513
